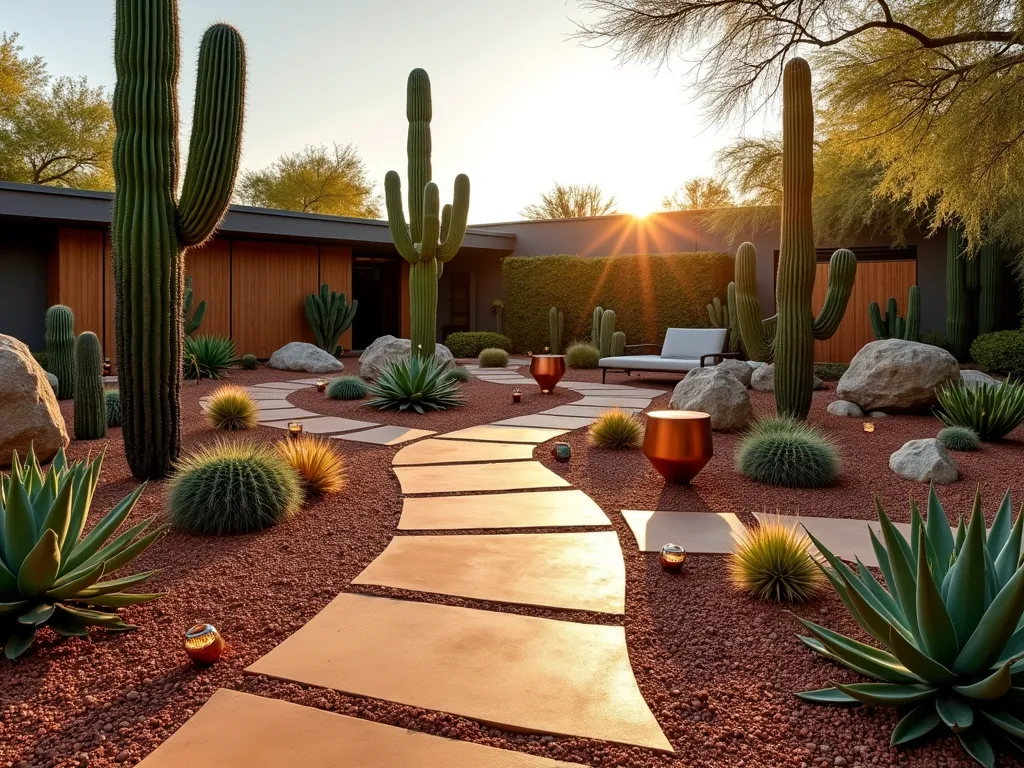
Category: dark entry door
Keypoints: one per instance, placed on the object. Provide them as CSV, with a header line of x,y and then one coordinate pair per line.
x,y
376,283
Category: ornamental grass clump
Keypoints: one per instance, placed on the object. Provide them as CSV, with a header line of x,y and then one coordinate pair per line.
x,y
207,357
233,487
232,408
789,453
50,574
415,383
616,429
959,438
459,374
582,355
321,469
991,410
493,358
948,615
346,388
772,563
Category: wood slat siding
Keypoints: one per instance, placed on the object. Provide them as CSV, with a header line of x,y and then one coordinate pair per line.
x,y
76,277
210,268
336,271
269,283
876,281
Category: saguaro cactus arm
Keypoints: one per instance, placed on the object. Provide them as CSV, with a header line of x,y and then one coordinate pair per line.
x,y
458,218
758,335
842,271
400,233
216,143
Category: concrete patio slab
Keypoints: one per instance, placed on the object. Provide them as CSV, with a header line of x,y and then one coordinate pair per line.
x,y
325,425
239,730
385,435
573,571
582,411
546,422
461,452
266,394
285,414
270,405
283,385
847,539
699,532
615,400
531,509
517,672
491,433
508,476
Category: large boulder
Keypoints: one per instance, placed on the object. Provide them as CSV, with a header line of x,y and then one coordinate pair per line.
x,y
893,374
716,392
738,368
388,349
300,356
924,461
763,379
972,378
29,414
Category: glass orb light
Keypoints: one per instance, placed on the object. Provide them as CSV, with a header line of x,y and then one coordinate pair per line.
x,y
321,385
672,557
204,644
294,429
106,366
517,396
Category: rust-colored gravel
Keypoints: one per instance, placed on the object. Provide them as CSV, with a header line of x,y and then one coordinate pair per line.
x,y
718,669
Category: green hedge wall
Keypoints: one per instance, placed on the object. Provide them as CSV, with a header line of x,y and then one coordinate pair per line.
x,y
649,293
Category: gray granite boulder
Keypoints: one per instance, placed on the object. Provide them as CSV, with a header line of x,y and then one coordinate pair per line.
x,y
29,414
300,356
844,408
738,368
388,349
717,392
924,461
53,380
763,379
893,374
974,378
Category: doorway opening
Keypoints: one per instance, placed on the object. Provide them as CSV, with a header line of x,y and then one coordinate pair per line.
x,y
376,283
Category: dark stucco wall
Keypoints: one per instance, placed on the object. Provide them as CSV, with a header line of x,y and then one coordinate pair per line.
x,y
24,253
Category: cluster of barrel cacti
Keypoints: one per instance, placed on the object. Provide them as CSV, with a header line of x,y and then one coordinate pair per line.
x,y
972,288
725,316
192,319
891,325
329,315
152,225
556,328
433,235
603,335
90,399
60,348
788,337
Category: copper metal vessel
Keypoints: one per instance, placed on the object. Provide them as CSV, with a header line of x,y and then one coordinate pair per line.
x,y
547,371
678,443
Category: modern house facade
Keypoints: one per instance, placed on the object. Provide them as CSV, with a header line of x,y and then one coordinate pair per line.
x,y
256,272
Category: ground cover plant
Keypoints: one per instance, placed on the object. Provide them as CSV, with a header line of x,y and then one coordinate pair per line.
x,y
471,343
771,562
460,374
417,384
232,408
321,468
207,357
492,358
583,356
991,410
616,429
788,452
346,388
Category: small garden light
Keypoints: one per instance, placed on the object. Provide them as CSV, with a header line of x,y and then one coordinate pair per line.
x,y
321,385
294,429
517,396
869,426
106,366
204,644
562,452
672,557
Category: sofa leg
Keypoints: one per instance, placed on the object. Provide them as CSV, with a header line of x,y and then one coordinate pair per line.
x,y
604,373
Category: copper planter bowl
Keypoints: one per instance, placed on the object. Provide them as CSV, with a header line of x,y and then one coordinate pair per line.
x,y
678,443
547,371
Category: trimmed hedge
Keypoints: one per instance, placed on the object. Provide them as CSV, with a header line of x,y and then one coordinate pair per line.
x,y
1000,352
472,343
649,293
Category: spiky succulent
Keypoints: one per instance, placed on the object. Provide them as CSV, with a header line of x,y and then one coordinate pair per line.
x,y
207,357
949,620
346,388
959,438
991,410
415,383
50,575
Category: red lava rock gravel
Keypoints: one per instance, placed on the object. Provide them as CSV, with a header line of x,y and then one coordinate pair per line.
x,y
717,668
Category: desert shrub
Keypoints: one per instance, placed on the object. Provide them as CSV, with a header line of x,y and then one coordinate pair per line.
x,y
616,429
460,374
676,289
346,388
472,343
1000,352
772,563
42,358
830,371
249,362
936,339
787,452
321,469
493,358
113,408
231,408
233,487
991,410
582,355
207,357
959,438
417,384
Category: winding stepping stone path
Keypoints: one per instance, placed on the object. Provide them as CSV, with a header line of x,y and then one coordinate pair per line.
x,y
494,434
700,532
461,452
535,509
508,476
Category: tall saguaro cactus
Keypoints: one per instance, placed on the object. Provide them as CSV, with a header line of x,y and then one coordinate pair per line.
x,y
433,235
972,281
788,337
152,226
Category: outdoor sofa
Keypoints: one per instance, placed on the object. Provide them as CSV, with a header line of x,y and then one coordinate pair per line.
x,y
684,349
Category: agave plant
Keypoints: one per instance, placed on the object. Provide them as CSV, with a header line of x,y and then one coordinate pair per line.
x,y
50,575
991,410
206,357
948,619
417,383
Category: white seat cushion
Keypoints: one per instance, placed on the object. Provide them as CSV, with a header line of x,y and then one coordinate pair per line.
x,y
690,343
649,363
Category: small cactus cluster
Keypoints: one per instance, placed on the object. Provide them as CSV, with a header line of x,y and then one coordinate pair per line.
x,y
603,335
891,325
90,399
346,388
192,319
60,349
556,327
724,316
329,315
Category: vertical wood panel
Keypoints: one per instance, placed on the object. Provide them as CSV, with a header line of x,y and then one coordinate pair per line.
x,y
406,315
79,277
210,268
876,281
269,283
336,271
109,342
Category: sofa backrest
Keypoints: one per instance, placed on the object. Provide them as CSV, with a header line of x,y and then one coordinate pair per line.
x,y
691,343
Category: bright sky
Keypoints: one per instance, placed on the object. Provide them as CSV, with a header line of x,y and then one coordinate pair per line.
x,y
517,105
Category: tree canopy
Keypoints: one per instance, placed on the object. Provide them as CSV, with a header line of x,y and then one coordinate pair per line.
x,y
52,131
701,193
570,201
315,179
